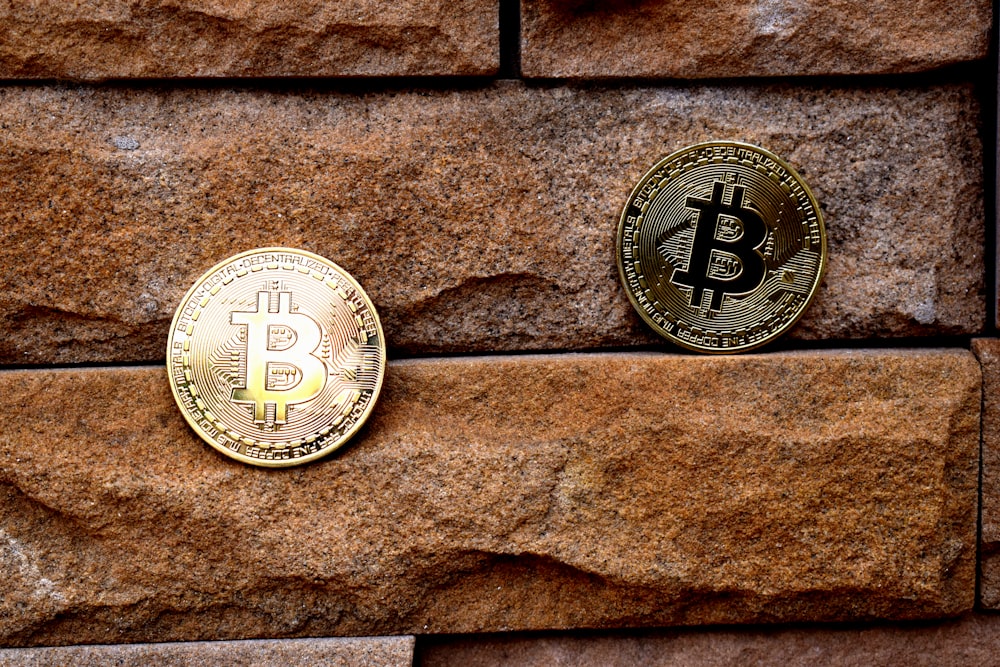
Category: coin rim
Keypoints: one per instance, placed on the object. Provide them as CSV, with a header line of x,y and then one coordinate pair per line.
x,y
774,334
347,435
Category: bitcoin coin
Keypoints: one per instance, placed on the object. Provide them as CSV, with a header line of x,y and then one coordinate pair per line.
x,y
721,247
276,356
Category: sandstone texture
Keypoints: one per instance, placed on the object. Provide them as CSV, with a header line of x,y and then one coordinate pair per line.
x,y
338,652
501,493
102,39
479,219
988,352
726,38
970,642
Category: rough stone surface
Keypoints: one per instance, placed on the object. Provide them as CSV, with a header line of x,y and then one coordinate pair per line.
x,y
101,39
478,220
339,652
726,38
988,352
970,642
486,494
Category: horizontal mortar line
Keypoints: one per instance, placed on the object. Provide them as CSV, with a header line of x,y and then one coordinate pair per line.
x,y
967,71
959,343
707,629
346,84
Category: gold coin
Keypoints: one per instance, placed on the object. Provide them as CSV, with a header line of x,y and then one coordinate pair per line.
x,y
721,247
276,357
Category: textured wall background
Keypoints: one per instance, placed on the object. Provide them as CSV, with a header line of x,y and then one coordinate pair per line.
x,y
467,162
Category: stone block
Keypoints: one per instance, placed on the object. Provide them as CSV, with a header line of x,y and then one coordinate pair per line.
x,y
501,493
970,642
726,38
321,652
988,352
109,39
478,220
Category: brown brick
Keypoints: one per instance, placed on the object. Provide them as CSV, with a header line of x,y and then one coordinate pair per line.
x,y
499,493
340,652
101,39
725,38
988,352
969,642
478,220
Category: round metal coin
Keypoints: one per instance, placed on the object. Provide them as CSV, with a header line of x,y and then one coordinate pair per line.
x,y
721,247
276,356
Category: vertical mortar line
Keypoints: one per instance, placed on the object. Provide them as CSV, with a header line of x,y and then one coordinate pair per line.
x,y
991,158
510,39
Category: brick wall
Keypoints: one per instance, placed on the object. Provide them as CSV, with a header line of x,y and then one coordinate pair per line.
x,y
543,480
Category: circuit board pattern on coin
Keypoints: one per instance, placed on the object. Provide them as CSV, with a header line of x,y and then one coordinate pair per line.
x,y
276,356
721,247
